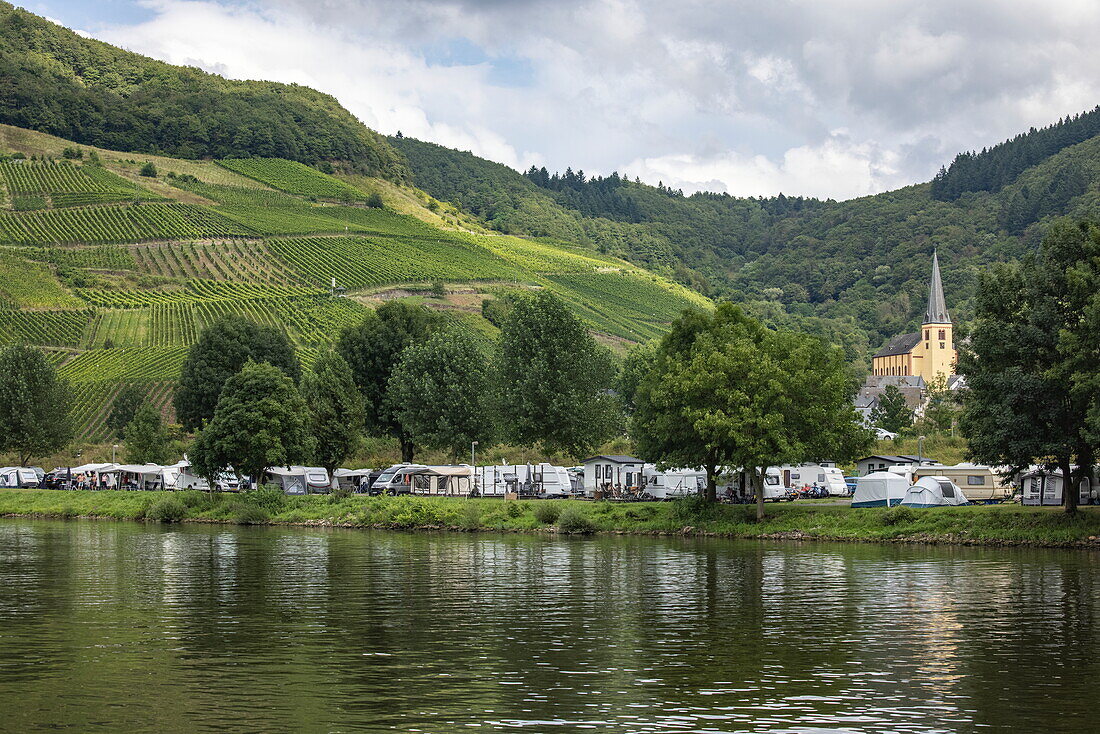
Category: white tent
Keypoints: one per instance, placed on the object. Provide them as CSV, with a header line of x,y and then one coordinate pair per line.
x,y
934,492
880,489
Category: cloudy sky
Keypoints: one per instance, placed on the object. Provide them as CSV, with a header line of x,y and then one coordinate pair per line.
x,y
835,98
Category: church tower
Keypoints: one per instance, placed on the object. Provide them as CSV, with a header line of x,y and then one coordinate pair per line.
x,y
935,354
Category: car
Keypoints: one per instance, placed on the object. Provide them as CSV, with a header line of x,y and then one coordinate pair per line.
x,y
883,435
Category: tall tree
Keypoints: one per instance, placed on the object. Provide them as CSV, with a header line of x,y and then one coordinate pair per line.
x,y
147,440
34,404
261,421
1030,368
440,393
336,409
220,352
726,392
892,412
123,408
553,379
373,349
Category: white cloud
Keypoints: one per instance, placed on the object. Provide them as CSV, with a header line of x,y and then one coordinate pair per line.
x,y
745,97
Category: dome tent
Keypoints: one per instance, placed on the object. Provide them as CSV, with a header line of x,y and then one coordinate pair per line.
x,y
934,492
879,489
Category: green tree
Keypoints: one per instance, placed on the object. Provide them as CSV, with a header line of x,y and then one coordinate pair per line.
x,y
261,421
1030,367
373,349
440,393
148,170
147,439
123,408
726,392
637,364
336,409
34,404
892,412
554,380
220,352
940,406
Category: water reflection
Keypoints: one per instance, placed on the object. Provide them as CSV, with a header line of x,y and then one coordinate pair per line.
x,y
108,626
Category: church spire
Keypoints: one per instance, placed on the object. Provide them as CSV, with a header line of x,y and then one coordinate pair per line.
x,y
937,307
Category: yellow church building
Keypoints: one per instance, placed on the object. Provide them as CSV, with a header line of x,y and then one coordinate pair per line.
x,y
928,352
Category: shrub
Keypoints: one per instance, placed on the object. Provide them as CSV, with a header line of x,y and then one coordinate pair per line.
x,y
470,516
692,508
72,153
513,509
267,497
249,514
148,170
167,509
898,516
547,512
575,522
375,201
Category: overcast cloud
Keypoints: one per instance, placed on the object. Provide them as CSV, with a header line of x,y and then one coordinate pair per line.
x,y
831,98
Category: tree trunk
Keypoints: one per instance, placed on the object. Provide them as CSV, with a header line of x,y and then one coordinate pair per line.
x,y
407,450
758,487
1069,487
712,484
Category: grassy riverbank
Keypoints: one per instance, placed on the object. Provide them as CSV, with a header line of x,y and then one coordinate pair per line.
x,y
965,525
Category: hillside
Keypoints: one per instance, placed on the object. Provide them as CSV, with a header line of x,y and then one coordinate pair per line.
x,y
115,273
58,82
854,272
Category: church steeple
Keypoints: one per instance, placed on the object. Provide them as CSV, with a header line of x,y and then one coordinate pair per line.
x,y
937,307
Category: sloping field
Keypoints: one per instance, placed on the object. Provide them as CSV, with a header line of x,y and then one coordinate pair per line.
x,y
103,224
293,178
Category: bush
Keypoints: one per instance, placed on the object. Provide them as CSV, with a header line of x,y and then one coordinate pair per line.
x,y
167,509
693,508
898,516
72,153
249,514
513,509
547,512
148,170
575,522
267,497
374,201
470,516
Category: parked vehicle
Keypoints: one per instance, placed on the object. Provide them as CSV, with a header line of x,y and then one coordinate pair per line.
x,y
397,479
227,481
19,476
829,478
299,479
672,483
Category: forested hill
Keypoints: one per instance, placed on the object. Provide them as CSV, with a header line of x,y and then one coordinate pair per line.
x,y
855,272
58,82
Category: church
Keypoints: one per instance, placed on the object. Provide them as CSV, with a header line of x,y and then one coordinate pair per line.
x,y
925,353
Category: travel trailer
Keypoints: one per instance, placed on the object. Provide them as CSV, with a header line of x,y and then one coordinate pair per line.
x,y
672,483
19,476
299,479
227,481
736,486
541,480
827,477
979,483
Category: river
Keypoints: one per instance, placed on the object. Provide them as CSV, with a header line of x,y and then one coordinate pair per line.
x,y
129,627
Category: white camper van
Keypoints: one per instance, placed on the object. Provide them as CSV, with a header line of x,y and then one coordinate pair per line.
x,y
396,480
227,481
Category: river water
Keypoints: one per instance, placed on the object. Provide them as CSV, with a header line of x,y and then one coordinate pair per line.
x,y
129,627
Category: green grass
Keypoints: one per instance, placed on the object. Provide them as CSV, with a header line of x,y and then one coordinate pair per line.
x,y
965,525
28,284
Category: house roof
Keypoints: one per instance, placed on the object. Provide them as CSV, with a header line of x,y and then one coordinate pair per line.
x,y
899,345
893,459
900,381
937,307
614,458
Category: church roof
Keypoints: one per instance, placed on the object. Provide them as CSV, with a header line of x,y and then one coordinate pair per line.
x,y
937,307
899,345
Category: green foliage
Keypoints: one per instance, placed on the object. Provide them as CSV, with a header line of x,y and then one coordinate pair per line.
x,y
553,380
32,285
167,510
575,522
247,514
220,352
96,94
28,203
125,407
43,328
374,201
147,440
373,349
111,365
892,413
725,391
293,178
439,393
148,170
260,421
267,497
547,512
34,405
337,411
940,408
106,224
898,516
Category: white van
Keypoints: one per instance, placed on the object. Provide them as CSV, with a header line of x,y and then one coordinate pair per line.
x,y
397,479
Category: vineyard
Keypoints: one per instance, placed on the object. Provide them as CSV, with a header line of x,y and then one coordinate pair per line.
x,y
239,260
358,262
125,365
194,292
92,404
43,328
66,185
27,284
293,178
131,223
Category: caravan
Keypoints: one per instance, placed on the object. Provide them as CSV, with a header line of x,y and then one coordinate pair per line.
x,y
19,476
672,483
543,480
227,481
299,479
827,477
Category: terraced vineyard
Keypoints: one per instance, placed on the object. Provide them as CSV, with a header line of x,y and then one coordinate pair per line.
x,y
117,291
293,178
132,223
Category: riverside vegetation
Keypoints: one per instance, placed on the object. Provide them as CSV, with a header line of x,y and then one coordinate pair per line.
x,y
983,525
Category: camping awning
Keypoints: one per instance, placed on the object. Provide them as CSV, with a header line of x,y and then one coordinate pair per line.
x,y
351,472
447,471
98,468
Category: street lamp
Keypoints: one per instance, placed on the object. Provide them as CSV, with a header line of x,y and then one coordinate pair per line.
x,y
920,451
473,466
113,450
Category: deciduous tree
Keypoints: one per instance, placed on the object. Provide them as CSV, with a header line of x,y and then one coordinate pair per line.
x,y
34,404
147,440
123,408
336,409
892,413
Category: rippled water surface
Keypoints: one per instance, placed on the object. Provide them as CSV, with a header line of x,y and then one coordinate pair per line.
x,y
125,627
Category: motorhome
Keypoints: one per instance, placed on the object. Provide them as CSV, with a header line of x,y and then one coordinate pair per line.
x,y
736,485
397,479
226,481
828,477
541,480
672,483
